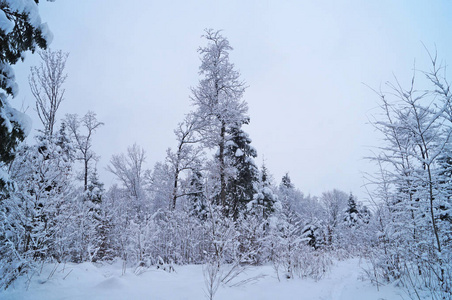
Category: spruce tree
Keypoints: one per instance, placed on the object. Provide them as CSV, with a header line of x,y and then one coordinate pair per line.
x,y
196,198
264,200
19,33
351,213
241,186
286,182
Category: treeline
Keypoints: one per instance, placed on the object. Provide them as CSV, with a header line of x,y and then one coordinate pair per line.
x,y
194,207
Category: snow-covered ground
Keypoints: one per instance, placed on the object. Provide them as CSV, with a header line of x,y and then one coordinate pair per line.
x,y
87,281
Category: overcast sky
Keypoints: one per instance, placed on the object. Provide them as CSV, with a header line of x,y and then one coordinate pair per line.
x,y
307,64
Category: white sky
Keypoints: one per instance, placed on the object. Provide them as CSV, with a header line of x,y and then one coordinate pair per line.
x,y
133,63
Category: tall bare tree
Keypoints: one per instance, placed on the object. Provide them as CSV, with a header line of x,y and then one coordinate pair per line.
x,y
46,83
83,141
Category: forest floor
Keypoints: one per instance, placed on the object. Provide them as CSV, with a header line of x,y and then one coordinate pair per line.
x,y
88,281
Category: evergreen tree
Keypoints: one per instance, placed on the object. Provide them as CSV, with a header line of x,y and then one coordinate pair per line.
x,y
19,33
287,240
95,189
286,182
241,186
351,213
97,221
313,233
445,188
196,197
264,201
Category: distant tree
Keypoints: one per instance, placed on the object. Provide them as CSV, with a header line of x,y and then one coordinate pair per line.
x,y
286,182
129,170
265,200
334,203
286,190
162,186
82,141
351,212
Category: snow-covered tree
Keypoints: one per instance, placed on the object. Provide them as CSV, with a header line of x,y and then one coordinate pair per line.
x,y
130,171
253,230
187,154
82,141
242,183
218,100
351,214
286,240
334,203
416,125
46,84
196,197
286,182
265,200
21,30
162,186
37,212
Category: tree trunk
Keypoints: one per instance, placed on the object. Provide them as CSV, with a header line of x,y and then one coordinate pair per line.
x,y
222,165
176,178
86,175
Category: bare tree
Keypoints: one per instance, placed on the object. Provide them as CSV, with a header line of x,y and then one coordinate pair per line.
x,y
417,131
334,203
129,169
46,83
187,153
82,142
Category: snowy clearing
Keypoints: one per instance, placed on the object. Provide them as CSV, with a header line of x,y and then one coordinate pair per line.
x,y
87,281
